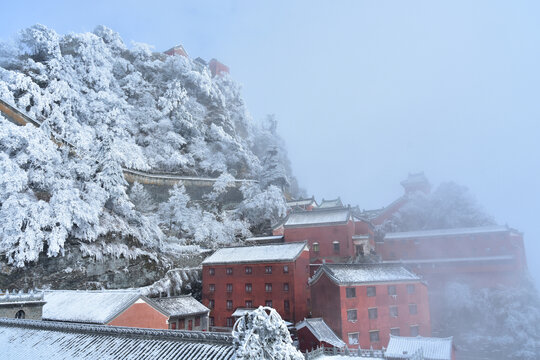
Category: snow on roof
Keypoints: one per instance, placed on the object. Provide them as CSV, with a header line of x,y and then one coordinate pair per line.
x,y
21,298
262,253
446,232
301,202
241,312
273,238
179,305
321,331
452,260
356,274
432,348
331,203
94,307
318,216
32,339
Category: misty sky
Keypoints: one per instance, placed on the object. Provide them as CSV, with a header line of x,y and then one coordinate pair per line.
x,y
365,92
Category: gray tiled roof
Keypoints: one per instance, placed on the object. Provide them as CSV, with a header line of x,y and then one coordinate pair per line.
x,y
178,305
31,339
331,203
321,331
358,274
432,348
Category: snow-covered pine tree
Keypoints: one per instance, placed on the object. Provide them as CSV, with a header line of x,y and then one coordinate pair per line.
x,y
262,334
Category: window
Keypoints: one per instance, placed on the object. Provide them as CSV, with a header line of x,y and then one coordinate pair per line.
x,y
371,291
372,313
374,336
182,324
268,287
229,271
229,288
410,289
285,269
212,271
336,246
268,303
212,321
20,314
413,310
414,330
212,287
229,304
350,292
394,331
248,270
173,325
351,315
249,304
230,322
392,290
211,304
393,311
198,321
353,338
286,305
316,247
267,269
248,288
285,287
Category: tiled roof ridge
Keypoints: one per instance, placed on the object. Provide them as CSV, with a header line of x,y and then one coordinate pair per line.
x,y
185,335
262,245
22,297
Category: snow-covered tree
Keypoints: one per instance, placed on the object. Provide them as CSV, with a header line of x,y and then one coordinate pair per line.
x,y
141,199
262,334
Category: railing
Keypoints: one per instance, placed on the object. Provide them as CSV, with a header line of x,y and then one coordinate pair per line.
x,y
359,353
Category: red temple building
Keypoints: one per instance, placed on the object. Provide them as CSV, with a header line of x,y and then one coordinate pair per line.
x,y
480,256
365,303
333,233
177,50
243,278
217,68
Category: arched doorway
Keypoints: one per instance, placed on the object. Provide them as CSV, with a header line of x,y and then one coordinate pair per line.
x,y
20,314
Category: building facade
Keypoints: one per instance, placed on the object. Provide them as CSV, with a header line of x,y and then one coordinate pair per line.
x,y
273,275
365,303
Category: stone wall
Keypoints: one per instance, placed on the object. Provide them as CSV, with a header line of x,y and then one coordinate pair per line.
x,y
32,310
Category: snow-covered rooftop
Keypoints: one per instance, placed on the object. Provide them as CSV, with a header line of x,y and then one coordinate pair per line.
x,y
94,307
262,253
446,232
31,339
357,274
318,216
179,305
331,203
321,331
452,260
401,347
21,298
263,239
301,202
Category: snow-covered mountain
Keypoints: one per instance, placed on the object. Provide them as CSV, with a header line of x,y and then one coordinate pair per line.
x,y
121,108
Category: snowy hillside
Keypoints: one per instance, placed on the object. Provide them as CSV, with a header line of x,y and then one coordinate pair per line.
x,y
132,108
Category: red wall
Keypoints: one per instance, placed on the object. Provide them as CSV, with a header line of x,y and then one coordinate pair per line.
x,y
297,295
327,296
325,236
141,315
478,273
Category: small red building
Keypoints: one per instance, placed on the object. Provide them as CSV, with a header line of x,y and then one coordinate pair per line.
x,y
481,256
177,50
125,308
365,303
217,68
329,233
314,333
273,275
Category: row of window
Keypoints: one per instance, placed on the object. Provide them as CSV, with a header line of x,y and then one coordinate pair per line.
x,y
335,246
248,287
352,315
372,290
374,334
249,304
249,270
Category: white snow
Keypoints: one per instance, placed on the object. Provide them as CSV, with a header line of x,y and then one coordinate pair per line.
x,y
364,273
306,218
432,348
262,253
